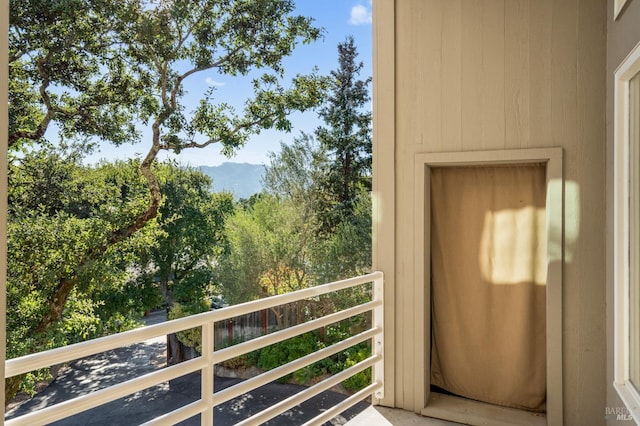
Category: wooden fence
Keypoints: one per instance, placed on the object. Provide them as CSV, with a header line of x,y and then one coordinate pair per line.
x,y
256,324
246,327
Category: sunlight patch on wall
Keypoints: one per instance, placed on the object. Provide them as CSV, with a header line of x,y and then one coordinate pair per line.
x,y
513,247
555,222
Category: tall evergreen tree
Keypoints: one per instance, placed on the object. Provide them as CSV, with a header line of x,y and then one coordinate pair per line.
x,y
346,137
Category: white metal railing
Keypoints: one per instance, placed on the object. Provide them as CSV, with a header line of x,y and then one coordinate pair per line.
x,y
205,363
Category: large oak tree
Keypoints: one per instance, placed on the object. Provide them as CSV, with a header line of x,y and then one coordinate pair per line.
x,y
99,71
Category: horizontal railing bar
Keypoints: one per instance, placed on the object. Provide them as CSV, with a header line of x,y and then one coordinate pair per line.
x,y
281,299
111,393
271,375
308,393
327,415
24,364
281,335
183,413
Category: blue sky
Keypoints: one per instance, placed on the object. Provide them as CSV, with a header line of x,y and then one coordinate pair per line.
x,y
339,18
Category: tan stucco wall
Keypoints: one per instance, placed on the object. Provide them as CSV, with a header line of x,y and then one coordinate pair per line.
x,y
494,74
622,36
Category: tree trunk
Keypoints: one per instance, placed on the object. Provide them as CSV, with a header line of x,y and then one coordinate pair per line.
x,y
11,387
166,294
56,304
277,311
59,298
177,351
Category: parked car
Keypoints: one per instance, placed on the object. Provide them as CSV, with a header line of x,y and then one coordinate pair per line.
x,y
218,302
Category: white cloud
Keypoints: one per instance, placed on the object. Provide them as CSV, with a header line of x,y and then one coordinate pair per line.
x,y
360,15
212,82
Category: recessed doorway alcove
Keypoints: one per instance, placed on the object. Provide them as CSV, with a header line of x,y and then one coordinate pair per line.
x,y
488,262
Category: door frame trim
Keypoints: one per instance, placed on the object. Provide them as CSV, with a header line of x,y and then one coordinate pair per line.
x,y
557,247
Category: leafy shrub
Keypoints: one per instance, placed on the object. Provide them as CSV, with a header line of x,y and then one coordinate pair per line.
x,y
363,378
118,323
242,361
192,337
31,379
281,353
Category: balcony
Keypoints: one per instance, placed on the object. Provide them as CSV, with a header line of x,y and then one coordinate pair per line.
x,y
204,364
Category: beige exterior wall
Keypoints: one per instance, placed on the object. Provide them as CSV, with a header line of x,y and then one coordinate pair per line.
x,y
623,34
484,75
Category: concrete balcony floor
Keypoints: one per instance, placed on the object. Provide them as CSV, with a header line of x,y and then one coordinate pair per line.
x,y
383,416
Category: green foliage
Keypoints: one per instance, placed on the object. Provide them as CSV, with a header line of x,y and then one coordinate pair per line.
x,y
314,219
350,356
268,251
138,294
118,61
99,71
281,353
346,137
295,174
33,378
118,322
347,251
327,177
242,361
240,269
191,225
192,337
74,45
289,350
59,211
360,380
80,323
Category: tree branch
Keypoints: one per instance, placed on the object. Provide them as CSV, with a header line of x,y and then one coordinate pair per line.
x,y
216,64
155,196
51,110
56,303
235,130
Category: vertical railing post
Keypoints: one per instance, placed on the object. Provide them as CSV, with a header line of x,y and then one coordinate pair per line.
x,y
378,340
206,380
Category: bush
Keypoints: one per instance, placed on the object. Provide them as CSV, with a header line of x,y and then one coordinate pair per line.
x,y
281,353
193,337
242,361
363,378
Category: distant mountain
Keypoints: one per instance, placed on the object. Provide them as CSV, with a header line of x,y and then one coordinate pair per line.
x,y
241,179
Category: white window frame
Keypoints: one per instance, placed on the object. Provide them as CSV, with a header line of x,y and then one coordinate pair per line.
x,y
629,68
618,5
